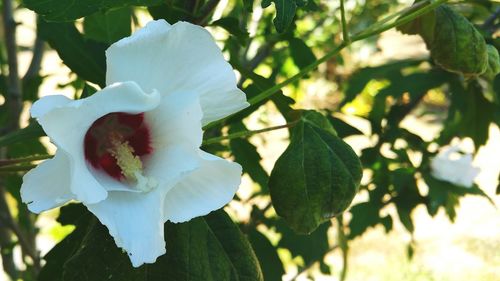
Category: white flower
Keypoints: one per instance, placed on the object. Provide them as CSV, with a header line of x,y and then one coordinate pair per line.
x,y
451,166
131,152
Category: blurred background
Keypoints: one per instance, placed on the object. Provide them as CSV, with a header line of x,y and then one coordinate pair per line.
x,y
384,95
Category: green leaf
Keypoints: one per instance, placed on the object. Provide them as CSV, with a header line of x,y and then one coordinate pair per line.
x,y
172,11
108,26
246,154
232,25
493,62
343,128
75,214
34,130
62,10
87,91
445,194
316,177
458,46
270,262
285,12
301,54
406,195
391,71
84,57
205,248
477,114
364,215
311,248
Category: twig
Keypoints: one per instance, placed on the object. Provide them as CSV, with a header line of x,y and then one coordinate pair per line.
x,y
14,94
342,240
7,162
6,219
36,59
6,252
245,134
345,32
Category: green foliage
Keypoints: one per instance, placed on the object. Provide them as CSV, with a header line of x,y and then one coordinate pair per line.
x,y
316,177
209,248
61,10
83,56
455,44
108,27
285,12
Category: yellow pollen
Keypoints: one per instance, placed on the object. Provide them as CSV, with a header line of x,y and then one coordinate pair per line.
x,y
129,163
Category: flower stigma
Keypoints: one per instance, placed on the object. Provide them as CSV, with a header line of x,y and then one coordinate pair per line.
x,y
115,144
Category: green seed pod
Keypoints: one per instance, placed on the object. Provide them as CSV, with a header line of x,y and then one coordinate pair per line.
x,y
493,63
457,46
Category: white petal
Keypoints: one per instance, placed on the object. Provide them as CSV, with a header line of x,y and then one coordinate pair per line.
x,y
135,220
47,186
48,103
177,59
67,125
176,135
208,188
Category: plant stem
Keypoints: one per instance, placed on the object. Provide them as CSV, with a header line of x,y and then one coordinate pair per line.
x,y
245,134
342,240
6,162
345,32
36,59
360,36
6,218
14,94
16,168
400,21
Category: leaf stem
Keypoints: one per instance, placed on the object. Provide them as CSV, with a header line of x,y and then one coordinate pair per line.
x,y
360,36
6,162
245,134
345,31
16,168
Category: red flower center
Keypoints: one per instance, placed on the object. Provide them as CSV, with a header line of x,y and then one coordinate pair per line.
x,y
101,138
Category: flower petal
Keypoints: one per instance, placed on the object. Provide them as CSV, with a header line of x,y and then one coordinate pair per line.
x,y
208,188
47,186
66,126
135,220
48,103
176,135
179,58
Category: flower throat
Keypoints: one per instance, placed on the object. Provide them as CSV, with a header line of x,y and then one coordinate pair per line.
x,y
115,144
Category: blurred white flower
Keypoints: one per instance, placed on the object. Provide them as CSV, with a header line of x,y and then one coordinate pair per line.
x,y
131,152
451,166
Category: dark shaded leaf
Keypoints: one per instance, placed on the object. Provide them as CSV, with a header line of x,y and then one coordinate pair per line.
x,y
62,10
301,54
285,12
311,248
458,46
84,57
316,177
108,26
210,248
270,262
343,128
246,154
364,215
232,25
